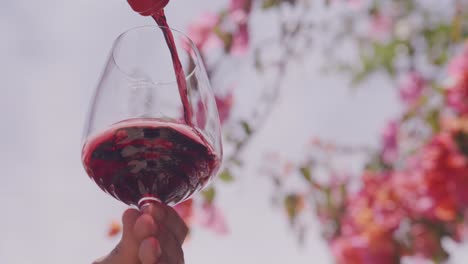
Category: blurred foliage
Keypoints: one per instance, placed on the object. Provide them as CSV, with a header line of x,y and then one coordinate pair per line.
x,y
371,217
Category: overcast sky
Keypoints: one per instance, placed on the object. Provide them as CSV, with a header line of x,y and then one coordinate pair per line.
x,y
51,55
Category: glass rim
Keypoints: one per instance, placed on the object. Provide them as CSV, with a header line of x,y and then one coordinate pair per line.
x,y
180,33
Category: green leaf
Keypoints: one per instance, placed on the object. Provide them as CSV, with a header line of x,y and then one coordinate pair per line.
x,y
270,3
433,120
247,128
236,161
441,59
381,57
226,176
209,194
306,174
376,164
385,55
293,205
438,88
343,192
328,198
369,65
359,77
266,4
439,40
436,34
258,61
226,37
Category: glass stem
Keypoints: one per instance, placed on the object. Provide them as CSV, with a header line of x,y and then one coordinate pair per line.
x,y
147,201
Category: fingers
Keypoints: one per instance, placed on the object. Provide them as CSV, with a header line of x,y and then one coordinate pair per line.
x,y
129,218
150,251
164,248
145,227
156,236
171,233
169,218
177,225
172,252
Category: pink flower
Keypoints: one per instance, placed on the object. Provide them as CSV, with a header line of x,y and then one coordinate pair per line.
x,y
390,142
376,208
407,187
239,10
425,241
442,177
224,105
450,164
381,25
457,95
240,43
212,218
355,4
362,249
412,88
371,217
236,5
201,31
458,67
373,212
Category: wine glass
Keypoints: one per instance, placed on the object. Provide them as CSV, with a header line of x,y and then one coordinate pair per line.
x,y
139,146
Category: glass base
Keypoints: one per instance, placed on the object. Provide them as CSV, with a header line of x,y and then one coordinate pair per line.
x,y
147,201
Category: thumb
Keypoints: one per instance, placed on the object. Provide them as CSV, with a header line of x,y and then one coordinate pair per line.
x,y
129,219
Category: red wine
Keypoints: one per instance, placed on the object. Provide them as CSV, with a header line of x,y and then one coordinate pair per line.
x,y
155,8
145,158
161,20
142,159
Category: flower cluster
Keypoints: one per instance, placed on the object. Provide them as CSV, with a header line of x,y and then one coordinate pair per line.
x,y
413,192
457,97
408,210
367,225
228,29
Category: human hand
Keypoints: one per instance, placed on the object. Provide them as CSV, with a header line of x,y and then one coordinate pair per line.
x,y
154,236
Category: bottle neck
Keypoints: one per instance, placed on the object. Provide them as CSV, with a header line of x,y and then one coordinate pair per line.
x,y
148,7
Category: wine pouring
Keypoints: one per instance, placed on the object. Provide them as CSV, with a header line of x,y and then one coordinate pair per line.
x,y
153,131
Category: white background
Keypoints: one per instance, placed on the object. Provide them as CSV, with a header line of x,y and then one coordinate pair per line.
x,y
51,54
